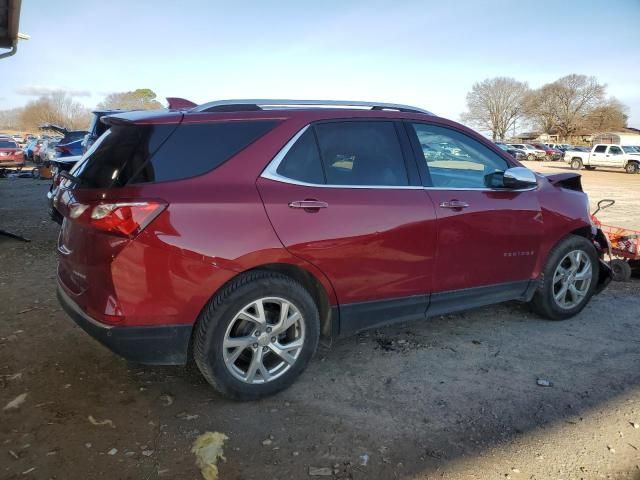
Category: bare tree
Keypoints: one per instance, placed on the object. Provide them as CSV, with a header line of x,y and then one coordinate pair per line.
x,y
57,108
495,104
10,119
140,99
566,105
611,115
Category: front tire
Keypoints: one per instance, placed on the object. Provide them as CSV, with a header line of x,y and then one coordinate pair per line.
x,y
257,335
569,279
631,167
531,157
576,164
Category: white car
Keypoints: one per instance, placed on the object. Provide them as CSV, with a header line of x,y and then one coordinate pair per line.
x,y
530,151
601,155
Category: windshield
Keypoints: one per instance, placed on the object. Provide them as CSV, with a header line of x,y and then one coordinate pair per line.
x,y
631,149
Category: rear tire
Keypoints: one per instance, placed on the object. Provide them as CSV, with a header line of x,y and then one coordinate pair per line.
x,y
251,307
568,280
576,164
631,167
621,270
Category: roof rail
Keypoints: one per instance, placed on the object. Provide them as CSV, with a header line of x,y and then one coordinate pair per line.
x,y
256,104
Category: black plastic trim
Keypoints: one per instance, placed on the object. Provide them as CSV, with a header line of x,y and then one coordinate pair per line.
x,y
158,345
458,300
355,317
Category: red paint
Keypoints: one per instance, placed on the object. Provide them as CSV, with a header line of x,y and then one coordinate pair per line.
x,y
12,155
368,244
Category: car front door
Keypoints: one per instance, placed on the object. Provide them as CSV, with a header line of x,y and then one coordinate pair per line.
x,y
346,197
488,236
597,156
614,156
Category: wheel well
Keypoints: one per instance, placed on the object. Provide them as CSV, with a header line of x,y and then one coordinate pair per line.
x,y
582,232
314,287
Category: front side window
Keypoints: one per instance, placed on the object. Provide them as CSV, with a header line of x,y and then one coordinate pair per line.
x,y
615,150
600,149
455,160
361,153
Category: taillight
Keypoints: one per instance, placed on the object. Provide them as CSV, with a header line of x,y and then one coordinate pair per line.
x,y
119,218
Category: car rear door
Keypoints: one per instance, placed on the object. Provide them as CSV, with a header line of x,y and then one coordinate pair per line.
x,y
488,237
344,196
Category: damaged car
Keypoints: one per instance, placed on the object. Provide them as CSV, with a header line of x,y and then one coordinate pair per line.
x,y
240,234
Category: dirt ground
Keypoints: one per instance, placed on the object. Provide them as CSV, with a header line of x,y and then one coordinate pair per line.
x,y
454,398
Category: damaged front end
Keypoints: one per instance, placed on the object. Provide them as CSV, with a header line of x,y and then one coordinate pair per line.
x,y
603,247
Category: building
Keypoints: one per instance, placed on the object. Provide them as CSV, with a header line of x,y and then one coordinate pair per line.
x,y
627,136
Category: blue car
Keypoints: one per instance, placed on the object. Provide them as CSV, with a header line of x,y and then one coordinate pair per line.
x,y
71,143
28,148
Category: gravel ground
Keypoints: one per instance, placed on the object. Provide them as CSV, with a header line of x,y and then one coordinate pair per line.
x,y
454,398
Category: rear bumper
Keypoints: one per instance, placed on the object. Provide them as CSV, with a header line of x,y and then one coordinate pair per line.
x,y
161,345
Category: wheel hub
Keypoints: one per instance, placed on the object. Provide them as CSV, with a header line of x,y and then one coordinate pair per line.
x,y
263,340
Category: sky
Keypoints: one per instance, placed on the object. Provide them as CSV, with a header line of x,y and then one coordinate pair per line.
x,y
423,53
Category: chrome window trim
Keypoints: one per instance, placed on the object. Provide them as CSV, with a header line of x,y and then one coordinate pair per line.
x,y
270,173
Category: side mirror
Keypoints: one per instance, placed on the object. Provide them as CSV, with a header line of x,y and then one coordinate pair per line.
x,y
519,177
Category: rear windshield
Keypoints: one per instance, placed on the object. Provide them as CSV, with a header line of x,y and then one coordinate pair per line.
x,y
133,154
6,144
73,136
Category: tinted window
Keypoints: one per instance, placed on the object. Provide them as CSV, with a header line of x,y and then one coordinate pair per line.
x,y
302,162
455,160
154,153
361,153
600,149
73,136
615,150
7,144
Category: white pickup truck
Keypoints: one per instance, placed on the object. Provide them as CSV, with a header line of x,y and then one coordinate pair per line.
x,y
601,155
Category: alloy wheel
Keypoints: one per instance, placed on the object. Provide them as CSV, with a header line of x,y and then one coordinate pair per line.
x,y
571,279
264,340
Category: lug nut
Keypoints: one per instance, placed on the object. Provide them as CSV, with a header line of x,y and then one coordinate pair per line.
x,y
257,334
268,329
273,339
265,349
255,345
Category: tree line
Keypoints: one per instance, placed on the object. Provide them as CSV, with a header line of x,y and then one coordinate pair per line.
x,y
60,108
565,107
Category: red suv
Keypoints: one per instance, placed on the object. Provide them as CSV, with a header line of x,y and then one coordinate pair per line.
x,y
301,224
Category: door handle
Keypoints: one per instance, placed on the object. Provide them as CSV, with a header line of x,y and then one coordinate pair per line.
x,y
454,204
308,205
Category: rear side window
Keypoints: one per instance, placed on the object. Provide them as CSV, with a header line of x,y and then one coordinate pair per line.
x,y
302,162
134,154
7,144
600,149
361,153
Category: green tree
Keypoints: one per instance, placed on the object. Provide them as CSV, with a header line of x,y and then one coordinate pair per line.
x,y
139,99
